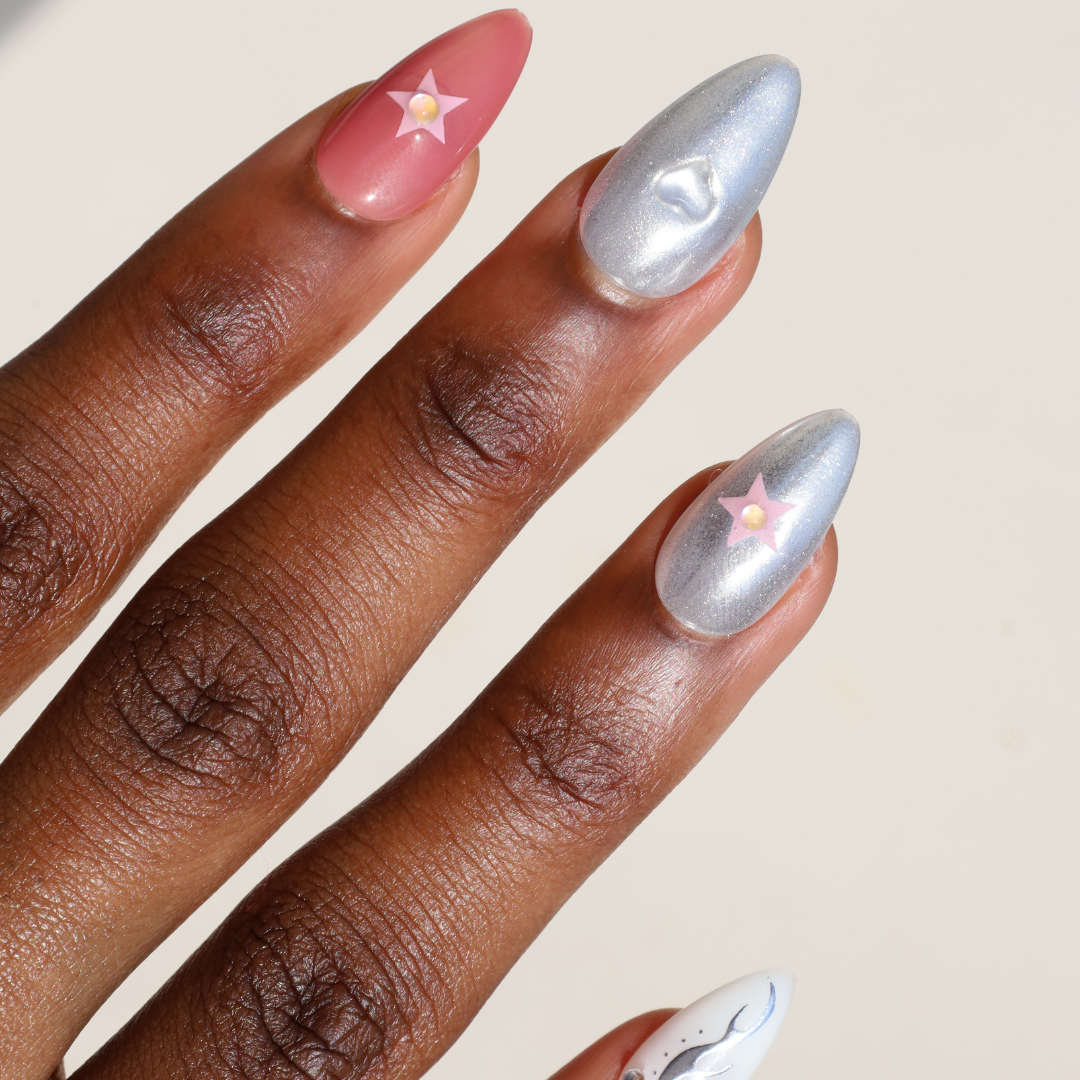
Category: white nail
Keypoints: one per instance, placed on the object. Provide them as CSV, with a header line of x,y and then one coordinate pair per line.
x,y
726,1033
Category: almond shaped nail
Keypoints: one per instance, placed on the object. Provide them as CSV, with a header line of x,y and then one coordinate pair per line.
x,y
746,538
668,205
404,136
727,1032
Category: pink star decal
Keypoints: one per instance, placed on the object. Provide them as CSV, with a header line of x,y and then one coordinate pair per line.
x,y
424,108
754,514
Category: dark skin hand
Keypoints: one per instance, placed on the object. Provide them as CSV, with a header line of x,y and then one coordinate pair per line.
x,y
256,656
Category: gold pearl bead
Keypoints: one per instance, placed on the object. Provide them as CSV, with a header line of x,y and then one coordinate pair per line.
x,y
423,108
753,517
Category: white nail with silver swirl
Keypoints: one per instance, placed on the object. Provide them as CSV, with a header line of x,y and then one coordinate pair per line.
x,y
744,540
668,205
726,1033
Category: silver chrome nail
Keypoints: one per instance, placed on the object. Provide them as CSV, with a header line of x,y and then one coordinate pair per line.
x,y
668,205
726,1032
746,538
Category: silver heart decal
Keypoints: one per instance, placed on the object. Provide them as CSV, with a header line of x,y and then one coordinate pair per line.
x,y
688,189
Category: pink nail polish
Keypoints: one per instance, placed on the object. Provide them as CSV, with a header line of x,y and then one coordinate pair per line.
x,y
404,136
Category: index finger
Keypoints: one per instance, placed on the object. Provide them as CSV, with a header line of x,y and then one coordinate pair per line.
x,y
109,420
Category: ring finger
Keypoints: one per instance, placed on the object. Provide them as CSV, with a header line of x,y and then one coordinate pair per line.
x,y
369,951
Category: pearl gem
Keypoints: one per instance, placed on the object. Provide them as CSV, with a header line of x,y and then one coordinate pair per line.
x,y
423,108
753,517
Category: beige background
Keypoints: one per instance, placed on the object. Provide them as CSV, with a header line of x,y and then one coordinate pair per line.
x,y
895,817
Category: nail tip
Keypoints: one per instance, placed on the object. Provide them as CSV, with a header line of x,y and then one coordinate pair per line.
x,y
511,16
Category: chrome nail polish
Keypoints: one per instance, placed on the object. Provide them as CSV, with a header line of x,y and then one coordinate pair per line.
x,y
668,205
746,538
727,1032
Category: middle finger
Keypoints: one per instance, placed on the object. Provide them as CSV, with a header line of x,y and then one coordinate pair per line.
x,y
249,664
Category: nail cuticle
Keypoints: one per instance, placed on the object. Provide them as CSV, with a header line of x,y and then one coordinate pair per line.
x,y
600,285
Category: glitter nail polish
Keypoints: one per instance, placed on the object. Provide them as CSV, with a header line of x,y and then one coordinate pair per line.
x,y
744,540
668,205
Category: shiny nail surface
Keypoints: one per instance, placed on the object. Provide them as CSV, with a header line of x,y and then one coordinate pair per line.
x,y
746,538
668,205
404,136
726,1032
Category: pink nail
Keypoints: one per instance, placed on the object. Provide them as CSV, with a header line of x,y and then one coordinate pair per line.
x,y
404,136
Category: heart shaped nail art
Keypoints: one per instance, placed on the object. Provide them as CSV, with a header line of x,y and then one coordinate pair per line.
x,y
677,195
688,189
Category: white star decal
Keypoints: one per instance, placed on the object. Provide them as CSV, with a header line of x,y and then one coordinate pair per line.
x,y
424,107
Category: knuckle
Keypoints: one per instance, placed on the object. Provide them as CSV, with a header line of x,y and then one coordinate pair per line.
x,y
44,548
569,752
302,994
488,417
207,692
223,324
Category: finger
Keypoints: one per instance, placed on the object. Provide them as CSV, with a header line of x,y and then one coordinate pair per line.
x,y
107,422
368,952
248,665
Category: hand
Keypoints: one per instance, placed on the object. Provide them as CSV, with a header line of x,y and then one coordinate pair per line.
x,y
256,656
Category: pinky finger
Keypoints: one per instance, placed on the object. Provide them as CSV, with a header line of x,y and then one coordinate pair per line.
x,y
726,1033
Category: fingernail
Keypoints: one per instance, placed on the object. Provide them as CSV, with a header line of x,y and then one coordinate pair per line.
x,y
726,1032
404,136
668,205
746,538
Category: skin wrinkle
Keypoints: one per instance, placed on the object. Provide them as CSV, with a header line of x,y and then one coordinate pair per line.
x,y
155,673
127,413
297,624
268,611
431,889
496,401
94,433
539,762
221,334
410,497
401,543
123,823
511,813
437,901
326,610
151,379
409,931
56,901
557,734
253,312
443,897
289,1020
517,427
36,525
387,972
